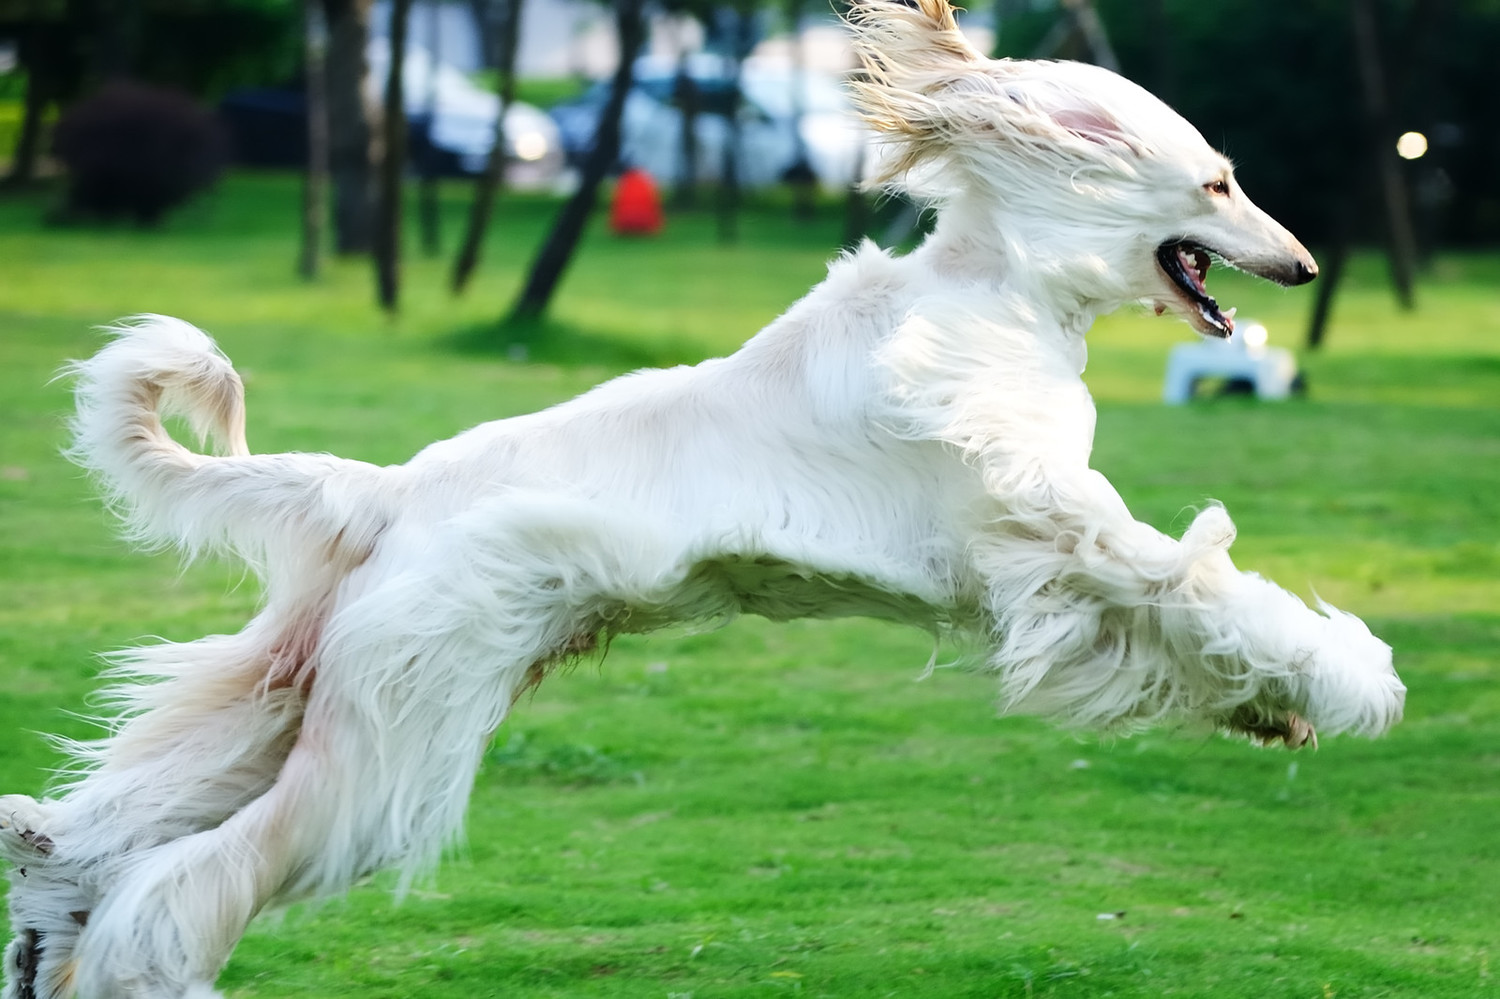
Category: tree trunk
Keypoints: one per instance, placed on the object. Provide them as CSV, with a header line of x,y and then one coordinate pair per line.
x,y
117,38
428,216
349,123
392,166
728,201
487,187
556,253
1163,66
1401,242
1078,33
685,91
1328,284
800,175
35,59
315,181
729,177
856,204
1091,29
483,12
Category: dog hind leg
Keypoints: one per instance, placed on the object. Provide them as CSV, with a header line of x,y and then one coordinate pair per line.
x,y
203,736
412,677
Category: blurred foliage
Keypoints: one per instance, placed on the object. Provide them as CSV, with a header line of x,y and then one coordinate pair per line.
x,y
208,47
1276,87
202,46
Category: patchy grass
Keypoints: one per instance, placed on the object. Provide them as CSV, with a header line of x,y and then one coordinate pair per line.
x,y
769,810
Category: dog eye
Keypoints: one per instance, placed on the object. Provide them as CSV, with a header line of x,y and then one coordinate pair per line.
x,y
1219,187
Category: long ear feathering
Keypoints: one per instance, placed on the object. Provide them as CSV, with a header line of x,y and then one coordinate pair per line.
x,y
924,86
897,38
907,54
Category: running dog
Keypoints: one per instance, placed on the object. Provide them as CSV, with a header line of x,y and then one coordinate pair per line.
x,y
909,442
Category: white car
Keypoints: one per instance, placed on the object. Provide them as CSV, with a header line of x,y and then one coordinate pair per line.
x,y
456,117
833,139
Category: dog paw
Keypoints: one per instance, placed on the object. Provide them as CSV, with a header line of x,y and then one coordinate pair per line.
x,y
1290,729
31,972
24,829
21,959
1211,530
1298,733
1352,686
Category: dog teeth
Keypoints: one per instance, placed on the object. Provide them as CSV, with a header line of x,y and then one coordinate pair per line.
x,y
1229,313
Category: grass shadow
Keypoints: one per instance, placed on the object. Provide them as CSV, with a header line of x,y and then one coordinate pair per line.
x,y
547,341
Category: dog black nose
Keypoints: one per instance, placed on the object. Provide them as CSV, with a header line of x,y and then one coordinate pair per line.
x,y
1307,269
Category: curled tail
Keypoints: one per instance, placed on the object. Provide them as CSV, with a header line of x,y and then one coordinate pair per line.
x,y
255,506
154,367
197,731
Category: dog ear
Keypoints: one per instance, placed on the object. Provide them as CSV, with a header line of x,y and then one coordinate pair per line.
x,y
929,90
1048,106
1092,123
908,35
909,51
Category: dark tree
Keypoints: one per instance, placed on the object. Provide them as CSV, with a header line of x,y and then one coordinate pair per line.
x,y
67,49
800,176
349,133
43,53
685,95
315,181
740,30
1077,33
392,166
507,31
688,99
429,218
1374,81
557,251
117,53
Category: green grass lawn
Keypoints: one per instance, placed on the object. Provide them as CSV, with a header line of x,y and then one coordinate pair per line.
x,y
770,810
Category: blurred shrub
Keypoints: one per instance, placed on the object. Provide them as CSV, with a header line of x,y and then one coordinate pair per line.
x,y
137,151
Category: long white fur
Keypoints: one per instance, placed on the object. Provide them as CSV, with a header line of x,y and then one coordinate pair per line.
x,y
910,442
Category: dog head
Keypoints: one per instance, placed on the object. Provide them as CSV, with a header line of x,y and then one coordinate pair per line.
x,y
1090,177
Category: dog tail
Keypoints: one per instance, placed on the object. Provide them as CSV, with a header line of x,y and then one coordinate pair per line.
x,y
167,495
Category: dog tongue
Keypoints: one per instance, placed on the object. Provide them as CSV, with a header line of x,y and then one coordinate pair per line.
x,y
1195,267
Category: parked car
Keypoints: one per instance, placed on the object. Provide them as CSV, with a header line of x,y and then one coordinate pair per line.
x,y
452,119
832,138
451,123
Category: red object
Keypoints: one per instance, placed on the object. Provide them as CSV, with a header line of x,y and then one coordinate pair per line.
x,y
636,209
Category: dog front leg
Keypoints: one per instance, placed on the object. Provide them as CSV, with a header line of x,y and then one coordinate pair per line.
x,y
1104,622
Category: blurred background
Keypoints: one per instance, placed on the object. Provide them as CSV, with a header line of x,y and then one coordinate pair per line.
x,y
402,219
1357,122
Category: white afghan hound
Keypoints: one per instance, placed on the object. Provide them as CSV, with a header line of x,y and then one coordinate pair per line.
x,y
908,442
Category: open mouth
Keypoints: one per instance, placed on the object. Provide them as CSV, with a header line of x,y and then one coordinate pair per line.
x,y
1186,264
